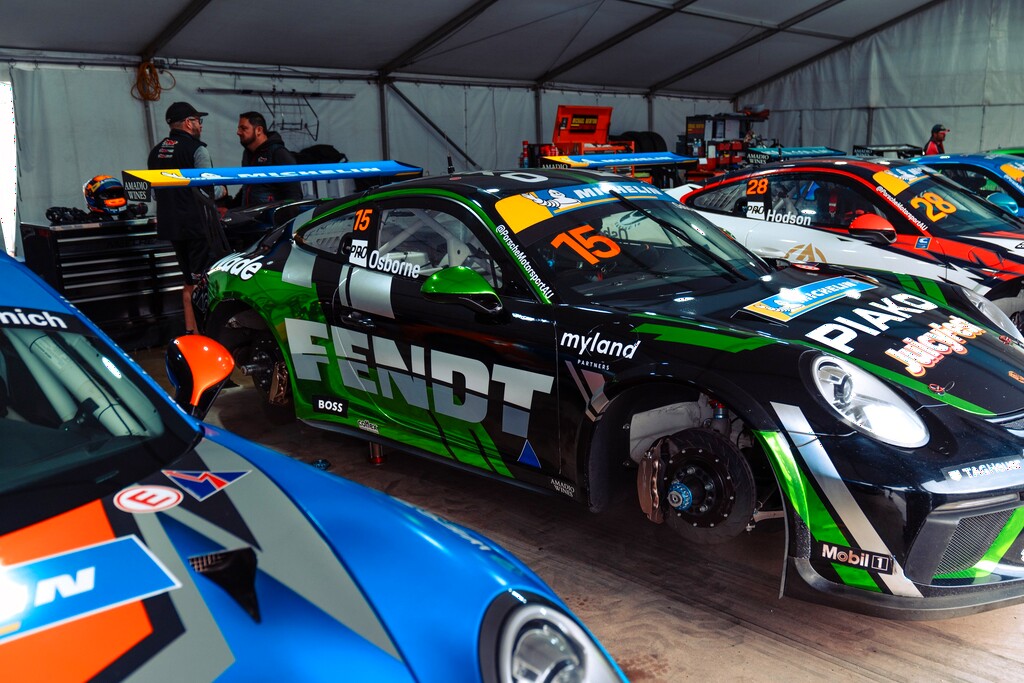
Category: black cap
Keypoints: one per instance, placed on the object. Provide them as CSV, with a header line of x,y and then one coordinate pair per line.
x,y
938,128
179,111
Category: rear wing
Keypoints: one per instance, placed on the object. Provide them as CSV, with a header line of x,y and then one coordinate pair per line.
x,y
612,160
902,150
139,183
763,155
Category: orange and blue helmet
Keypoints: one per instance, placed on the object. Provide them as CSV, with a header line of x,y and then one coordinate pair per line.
x,y
105,194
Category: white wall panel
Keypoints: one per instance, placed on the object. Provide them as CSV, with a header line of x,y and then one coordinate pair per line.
x,y
957,63
74,123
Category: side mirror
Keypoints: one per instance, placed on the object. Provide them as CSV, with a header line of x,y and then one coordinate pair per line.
x,y
464,286
874,228
1005,202
197,367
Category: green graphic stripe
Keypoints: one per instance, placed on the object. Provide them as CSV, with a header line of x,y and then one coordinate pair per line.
x,y
806,503
987,564
733,344
705,338
858,578
921,387
798,490
928,289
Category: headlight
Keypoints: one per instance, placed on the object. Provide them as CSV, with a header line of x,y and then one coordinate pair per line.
x,y
995,314
867,404
541,644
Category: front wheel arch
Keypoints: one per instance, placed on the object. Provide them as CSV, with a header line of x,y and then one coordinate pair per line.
x,y
253,344
603,449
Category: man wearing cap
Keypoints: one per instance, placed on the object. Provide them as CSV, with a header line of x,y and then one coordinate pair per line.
x,y
186,216
935,142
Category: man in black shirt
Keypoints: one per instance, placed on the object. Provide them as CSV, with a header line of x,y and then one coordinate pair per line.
x,y
263,148
186,216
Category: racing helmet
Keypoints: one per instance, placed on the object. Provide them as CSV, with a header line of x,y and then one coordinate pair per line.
x,y
105,194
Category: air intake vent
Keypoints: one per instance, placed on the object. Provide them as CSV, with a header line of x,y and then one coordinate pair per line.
x,y
971,540
235,572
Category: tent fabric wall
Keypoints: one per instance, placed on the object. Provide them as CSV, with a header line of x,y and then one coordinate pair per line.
x,y
76,122
73,123
957,64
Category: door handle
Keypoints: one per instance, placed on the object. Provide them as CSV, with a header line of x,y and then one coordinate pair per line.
x,y
358,319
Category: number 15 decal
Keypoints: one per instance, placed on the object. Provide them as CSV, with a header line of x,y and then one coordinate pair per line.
x,y
590,247
362,219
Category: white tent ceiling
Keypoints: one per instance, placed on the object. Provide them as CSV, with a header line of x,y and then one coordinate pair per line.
x,y
697,48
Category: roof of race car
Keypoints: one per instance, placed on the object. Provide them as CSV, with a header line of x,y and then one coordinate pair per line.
x,y
506,183
994,162
861,166
22,289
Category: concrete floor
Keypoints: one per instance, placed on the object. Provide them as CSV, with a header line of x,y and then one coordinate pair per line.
x,y
666,611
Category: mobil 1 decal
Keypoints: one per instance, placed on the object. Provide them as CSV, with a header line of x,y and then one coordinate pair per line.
x,y
465,402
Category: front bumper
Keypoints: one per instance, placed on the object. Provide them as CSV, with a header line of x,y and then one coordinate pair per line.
x,y
940,542
963,560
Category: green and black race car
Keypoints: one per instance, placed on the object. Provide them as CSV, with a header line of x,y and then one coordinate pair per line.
x,y
579,332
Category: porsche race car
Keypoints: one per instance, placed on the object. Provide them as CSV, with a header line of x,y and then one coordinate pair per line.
x,y
138,543
888,214
584,334
997,177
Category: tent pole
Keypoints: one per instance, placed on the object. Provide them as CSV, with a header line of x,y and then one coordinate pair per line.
x,y
382,97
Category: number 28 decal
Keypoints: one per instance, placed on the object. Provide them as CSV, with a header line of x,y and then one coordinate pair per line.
x,y
757,186
591,247
934,206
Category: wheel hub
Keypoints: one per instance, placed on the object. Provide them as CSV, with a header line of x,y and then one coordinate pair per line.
x,y
701,491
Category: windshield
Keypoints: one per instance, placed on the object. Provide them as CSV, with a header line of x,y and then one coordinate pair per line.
x,y
629,244
74,415
937,204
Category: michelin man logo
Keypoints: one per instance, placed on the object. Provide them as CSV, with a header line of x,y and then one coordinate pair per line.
x,y
557,201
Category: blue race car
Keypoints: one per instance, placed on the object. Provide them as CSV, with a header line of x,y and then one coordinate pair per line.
x,y
138,542
997,177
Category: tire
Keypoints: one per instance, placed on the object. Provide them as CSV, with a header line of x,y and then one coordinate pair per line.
x,y
631,136
710,491
648,141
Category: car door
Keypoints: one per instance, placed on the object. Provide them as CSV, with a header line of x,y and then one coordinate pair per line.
x,y
474,386
807,216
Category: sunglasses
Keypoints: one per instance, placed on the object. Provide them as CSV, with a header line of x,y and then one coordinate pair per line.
x,y
196,119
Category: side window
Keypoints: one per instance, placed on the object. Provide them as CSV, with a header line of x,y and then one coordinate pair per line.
x,y
819,201
422,241
328,236
973,179
730,199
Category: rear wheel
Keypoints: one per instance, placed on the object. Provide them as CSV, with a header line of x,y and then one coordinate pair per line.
x,y
709,491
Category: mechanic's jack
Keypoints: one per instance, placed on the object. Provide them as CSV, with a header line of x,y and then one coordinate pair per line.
x,y
376,454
